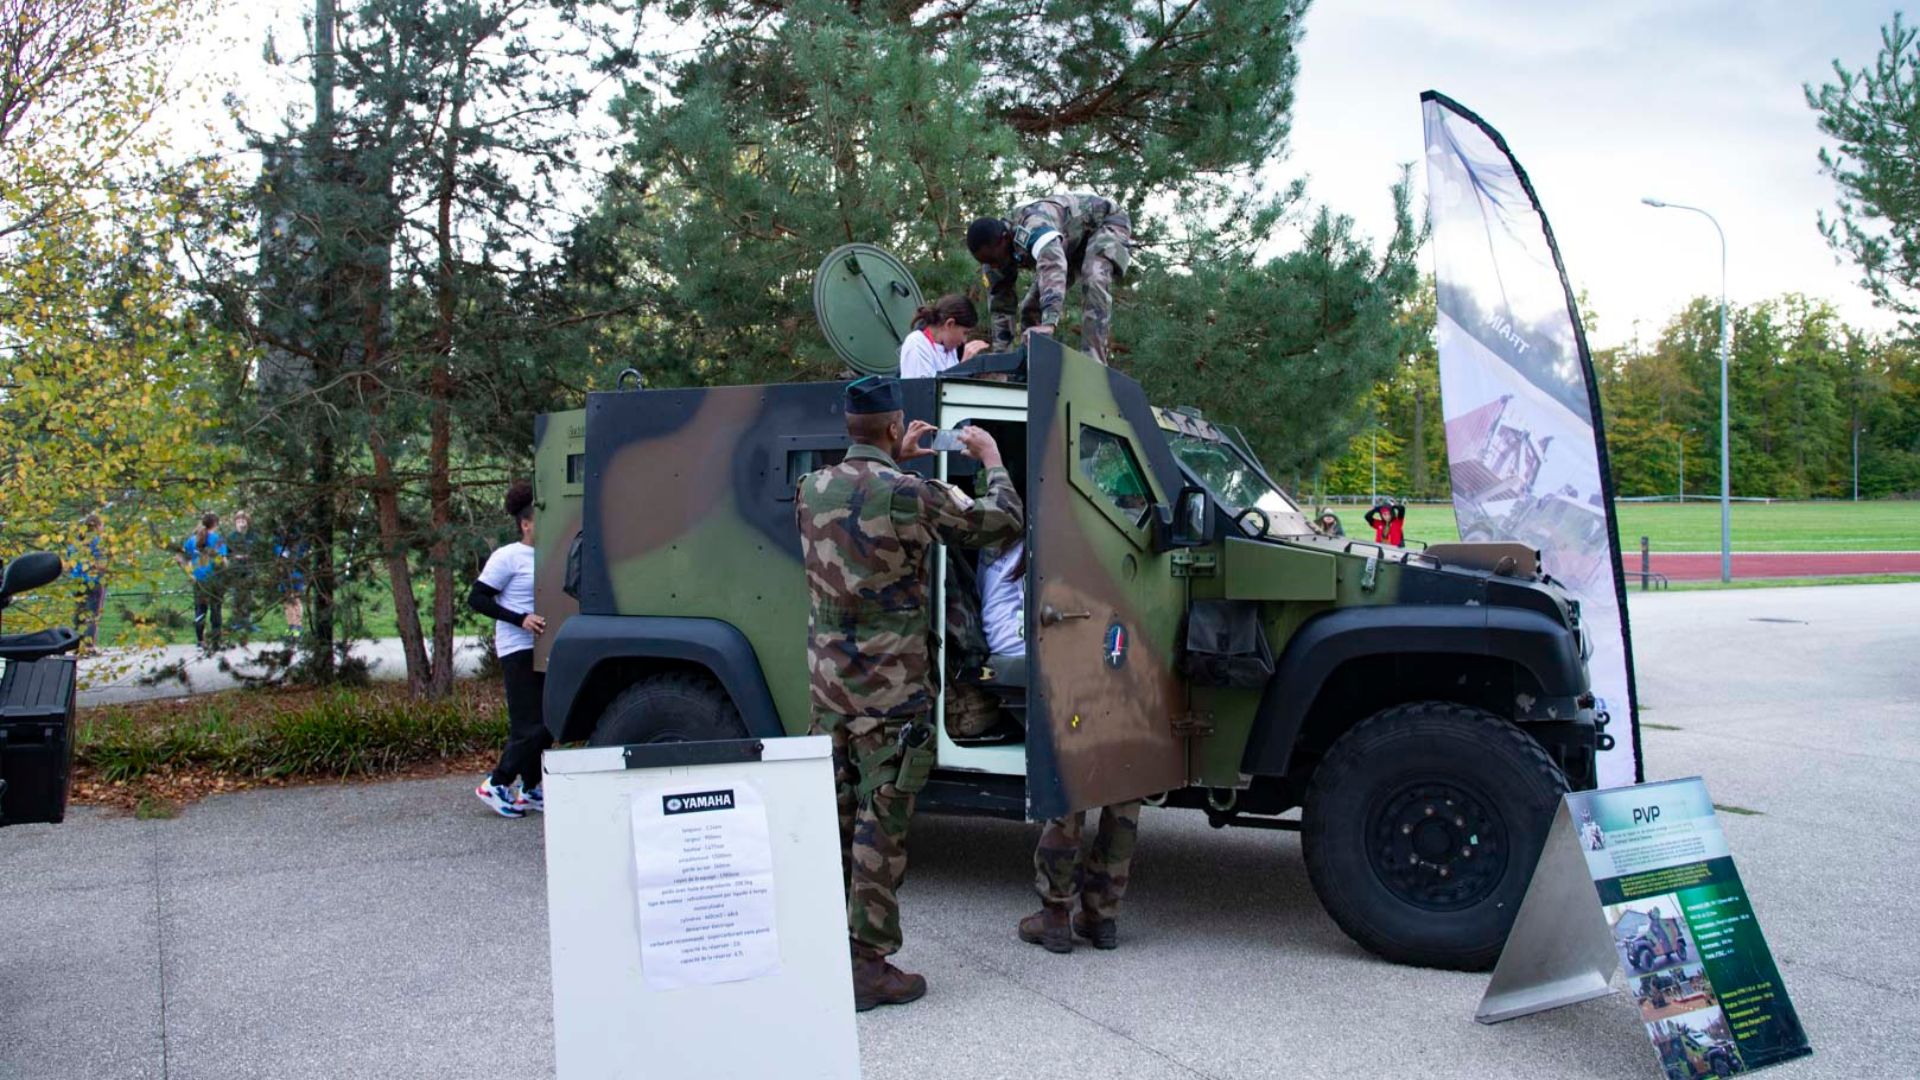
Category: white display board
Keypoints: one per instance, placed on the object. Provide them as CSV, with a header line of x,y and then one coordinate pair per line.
x,y
698,923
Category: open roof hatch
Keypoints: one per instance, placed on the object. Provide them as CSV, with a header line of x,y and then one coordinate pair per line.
x,y
865,300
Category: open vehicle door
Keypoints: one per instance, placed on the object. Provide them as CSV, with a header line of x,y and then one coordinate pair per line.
x,y
1103,609
559,475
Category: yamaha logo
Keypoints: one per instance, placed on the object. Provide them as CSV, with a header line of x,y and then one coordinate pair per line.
x,y
696,801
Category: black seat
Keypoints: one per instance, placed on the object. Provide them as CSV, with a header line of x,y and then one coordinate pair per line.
x,y
1005,670
38,645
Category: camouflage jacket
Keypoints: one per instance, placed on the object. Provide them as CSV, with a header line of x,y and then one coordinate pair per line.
x,y
866,529
1050,237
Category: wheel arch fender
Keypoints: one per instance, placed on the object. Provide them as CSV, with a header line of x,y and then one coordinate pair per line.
x,y
1528,640
588,648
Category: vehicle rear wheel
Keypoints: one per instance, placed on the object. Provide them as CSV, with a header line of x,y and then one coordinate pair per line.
x,y
1421,829
669,707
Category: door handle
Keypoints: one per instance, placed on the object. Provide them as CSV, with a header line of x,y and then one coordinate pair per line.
x,y
1050,615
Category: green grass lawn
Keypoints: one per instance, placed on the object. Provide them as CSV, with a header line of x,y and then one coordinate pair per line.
x,y
1827,526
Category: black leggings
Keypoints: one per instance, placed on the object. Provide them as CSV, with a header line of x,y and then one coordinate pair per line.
x,y
526,732
206,612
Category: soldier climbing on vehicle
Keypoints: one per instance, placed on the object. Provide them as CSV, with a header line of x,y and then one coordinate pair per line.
x,y
866,530
1062,239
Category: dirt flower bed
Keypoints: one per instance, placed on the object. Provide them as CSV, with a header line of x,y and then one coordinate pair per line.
x,y
152,757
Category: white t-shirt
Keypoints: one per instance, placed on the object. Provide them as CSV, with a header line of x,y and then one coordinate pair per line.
x,y
920,358
1003,601
510,570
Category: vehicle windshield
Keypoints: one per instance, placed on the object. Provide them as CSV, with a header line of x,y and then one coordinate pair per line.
x,y
1237,483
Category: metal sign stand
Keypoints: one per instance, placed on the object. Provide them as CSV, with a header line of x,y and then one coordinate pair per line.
x,y
1560,950
698,927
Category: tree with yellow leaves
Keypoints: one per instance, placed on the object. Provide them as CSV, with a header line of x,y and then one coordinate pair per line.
x,y
106,371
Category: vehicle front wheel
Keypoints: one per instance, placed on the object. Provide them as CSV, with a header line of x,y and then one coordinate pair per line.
x,y
669,707
1421,829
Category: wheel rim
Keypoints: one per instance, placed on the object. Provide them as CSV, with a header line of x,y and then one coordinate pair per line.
x,y
1437,845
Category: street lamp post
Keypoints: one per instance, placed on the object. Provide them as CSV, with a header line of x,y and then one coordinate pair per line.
x,y
1856,461
1683,467
1726,480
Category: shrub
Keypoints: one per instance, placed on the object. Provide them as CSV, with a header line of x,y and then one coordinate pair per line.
x,y
264,735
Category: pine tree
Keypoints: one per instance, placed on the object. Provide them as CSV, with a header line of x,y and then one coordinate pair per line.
x,y
405,295
796,127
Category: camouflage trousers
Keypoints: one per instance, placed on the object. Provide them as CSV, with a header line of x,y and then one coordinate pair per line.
x,y
1097,271
1096,877
971,710
873,831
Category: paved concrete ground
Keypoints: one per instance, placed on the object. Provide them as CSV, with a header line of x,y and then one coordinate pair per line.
x,y
397,931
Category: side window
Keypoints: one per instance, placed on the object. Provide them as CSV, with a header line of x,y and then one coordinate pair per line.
x,y
802,462
576,469
1108,462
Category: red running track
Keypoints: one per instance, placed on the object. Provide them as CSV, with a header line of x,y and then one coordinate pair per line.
x,y
1705,565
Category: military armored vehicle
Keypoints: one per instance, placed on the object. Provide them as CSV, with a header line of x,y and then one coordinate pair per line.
x,y
1190,640
1688,1054
1646,950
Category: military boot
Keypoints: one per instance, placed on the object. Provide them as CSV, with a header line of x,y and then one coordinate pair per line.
x,y
1049,929
1102,933
876,982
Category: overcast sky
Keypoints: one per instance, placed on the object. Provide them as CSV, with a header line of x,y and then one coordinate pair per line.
x,y
1695,101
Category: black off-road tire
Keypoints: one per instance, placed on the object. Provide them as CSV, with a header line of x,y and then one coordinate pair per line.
x,y
1642,958
669,707
1412,790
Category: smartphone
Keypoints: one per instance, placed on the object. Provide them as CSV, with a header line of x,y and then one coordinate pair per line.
x,y
944,440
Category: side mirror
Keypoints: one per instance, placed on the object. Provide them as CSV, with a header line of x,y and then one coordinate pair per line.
x,y
1192,524
29,571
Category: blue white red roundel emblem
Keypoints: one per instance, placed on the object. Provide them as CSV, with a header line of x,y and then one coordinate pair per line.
x,y
1116,644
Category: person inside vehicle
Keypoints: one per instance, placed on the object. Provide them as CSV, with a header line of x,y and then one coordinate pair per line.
x,y
939,337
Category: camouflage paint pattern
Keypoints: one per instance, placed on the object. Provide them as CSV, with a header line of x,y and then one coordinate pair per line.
x,y
1066,870
686,509
689,511
1093,250
1100,727
556,519
867,530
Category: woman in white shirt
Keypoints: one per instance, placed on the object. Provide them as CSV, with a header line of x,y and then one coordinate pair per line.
x,y
504,593
939,337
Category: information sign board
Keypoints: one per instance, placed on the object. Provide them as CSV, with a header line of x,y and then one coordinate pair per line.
x,y
1672,911
692,888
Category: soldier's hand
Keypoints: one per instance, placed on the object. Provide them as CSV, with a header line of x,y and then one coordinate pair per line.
x,y
977,443
534,624
973,349
910,447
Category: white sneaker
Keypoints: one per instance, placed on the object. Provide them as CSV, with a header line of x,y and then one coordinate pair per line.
x,y
500,797
530,800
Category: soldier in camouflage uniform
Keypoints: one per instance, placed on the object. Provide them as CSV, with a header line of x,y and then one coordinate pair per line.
x,y
1062,239
866,530
1097,878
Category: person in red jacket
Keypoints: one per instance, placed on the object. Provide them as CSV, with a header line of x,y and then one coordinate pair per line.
x,y
1389,522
